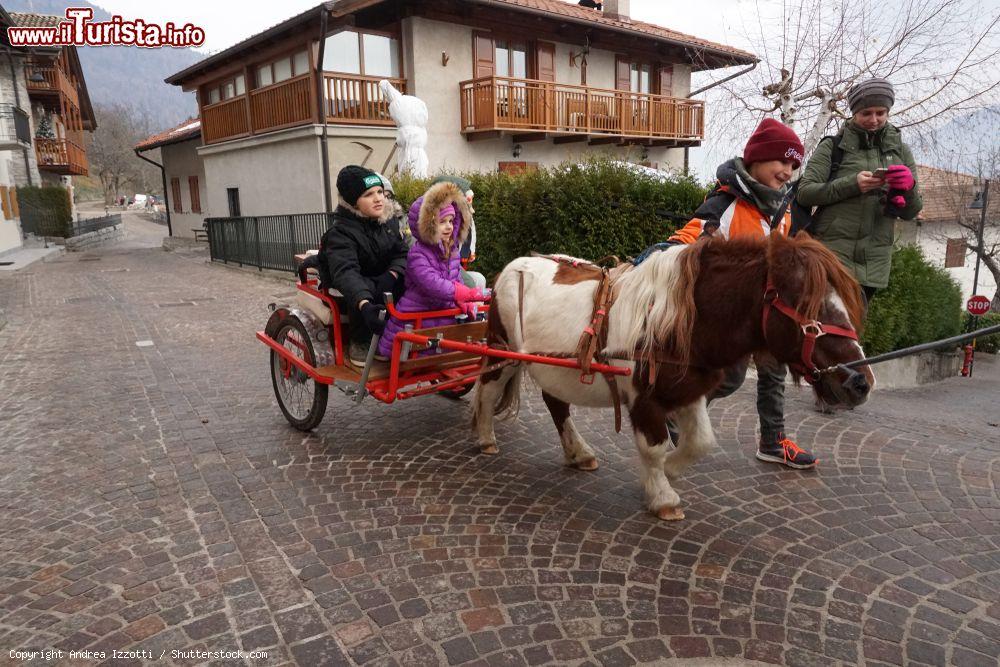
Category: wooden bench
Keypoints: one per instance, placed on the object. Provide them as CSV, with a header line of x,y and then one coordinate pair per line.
x,y
200,234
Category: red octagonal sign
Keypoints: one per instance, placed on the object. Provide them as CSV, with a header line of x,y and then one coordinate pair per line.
x,y
978,305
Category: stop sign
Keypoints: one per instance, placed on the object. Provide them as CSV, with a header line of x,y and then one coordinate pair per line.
x,y
978,305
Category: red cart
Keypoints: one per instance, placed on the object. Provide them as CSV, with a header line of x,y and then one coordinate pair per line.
x,y
307,341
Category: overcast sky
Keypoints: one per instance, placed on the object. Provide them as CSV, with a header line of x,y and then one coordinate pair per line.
x,y
227,22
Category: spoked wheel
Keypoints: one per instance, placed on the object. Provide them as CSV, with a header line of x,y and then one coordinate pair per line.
x,y
302,400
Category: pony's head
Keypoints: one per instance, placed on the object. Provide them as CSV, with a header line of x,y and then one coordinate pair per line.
x,y
812,317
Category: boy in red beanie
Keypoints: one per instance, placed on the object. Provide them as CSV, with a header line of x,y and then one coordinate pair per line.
x,y
746,201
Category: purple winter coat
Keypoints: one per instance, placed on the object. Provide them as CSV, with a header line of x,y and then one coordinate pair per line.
x,y
430,278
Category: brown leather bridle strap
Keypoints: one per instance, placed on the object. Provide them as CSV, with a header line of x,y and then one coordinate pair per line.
x,y
811,330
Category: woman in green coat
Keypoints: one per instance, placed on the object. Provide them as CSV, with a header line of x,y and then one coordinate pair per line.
x,y
858,205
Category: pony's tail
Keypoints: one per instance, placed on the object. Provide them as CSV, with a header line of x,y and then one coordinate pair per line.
x,y
509,403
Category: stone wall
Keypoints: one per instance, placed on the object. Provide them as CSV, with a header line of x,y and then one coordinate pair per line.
x,y
94,239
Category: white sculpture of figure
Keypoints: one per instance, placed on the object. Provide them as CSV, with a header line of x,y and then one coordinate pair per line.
x,y
410,114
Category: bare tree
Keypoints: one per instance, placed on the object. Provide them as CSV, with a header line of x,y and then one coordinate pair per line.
x,y
943,57
948,216
119,128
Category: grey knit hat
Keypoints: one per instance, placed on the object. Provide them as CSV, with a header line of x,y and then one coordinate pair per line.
x,y
871,93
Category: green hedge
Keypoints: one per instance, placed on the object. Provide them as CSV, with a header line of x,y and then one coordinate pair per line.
x,y
46,211
592,210
989,344
922,304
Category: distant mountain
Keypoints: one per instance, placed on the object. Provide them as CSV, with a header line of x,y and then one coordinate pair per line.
x,y
969,143
127,75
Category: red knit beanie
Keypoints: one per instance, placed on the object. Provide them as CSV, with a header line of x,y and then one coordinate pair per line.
x,y
773,141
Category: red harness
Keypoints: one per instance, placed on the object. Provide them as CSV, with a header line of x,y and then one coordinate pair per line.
x,y
811,330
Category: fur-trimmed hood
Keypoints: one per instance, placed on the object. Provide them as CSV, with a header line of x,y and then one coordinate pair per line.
x,y
424,213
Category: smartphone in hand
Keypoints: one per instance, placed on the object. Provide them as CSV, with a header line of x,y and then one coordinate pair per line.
x,y
881,173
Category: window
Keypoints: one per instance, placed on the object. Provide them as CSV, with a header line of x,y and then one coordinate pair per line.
x,y
954,256
300,62
195,195
511,59
634,77
233,196
283,69
368,54
226,90
175,192
264,77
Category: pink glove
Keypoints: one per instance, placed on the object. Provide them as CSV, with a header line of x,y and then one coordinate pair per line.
x,y
471,308
465,294
900,177
898,201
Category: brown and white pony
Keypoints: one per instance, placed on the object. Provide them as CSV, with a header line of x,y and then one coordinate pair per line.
x,y
699,309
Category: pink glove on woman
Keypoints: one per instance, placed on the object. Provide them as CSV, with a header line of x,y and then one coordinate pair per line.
x,y
900,177
898,201
471,308
465,294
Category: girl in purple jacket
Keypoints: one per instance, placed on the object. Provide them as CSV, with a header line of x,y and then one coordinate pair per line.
x,y
440,222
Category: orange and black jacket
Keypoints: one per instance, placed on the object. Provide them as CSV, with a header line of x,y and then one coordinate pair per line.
x,y
730,210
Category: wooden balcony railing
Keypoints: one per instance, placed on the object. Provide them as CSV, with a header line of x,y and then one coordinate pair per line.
x,y
350,99
61,156
53,79
502,103
283,104
228,119
355,99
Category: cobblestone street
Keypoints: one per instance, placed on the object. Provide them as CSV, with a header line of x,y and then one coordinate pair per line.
x,y
154,498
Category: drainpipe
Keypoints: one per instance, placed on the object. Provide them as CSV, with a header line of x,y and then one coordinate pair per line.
x,y
709,87
163,175
17,101
321,106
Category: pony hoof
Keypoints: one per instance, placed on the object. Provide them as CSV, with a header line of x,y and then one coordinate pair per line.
x,y
587,464
489,450
670,513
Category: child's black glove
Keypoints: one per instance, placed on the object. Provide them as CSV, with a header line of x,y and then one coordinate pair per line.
x,y
374,317
386,283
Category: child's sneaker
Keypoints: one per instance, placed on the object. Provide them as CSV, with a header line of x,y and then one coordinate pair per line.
x,y
787,453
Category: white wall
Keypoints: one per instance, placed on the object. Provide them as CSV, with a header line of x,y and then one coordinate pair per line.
x,y
275,173
181,161
438,86
932,239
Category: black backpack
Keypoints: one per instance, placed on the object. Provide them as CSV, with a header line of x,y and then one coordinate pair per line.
x,y
803,216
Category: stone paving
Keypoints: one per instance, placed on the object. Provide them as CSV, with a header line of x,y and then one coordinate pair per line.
x,y
153,499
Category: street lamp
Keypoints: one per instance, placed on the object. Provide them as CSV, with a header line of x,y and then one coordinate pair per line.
x,y
980,203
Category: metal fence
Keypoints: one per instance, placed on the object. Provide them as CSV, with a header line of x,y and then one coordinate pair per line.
x,y
266,241
94,224
14,125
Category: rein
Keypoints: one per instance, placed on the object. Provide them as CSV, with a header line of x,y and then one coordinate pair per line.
x,y
811,330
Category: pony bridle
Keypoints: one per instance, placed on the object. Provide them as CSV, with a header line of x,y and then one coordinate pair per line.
x,y
811,330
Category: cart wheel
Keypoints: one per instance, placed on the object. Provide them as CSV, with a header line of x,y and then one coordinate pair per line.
x,y
302,400
455,394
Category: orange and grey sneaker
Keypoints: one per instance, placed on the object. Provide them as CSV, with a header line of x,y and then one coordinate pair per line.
x,y
786,452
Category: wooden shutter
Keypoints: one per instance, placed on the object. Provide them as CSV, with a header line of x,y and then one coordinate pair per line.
x,y
623,74
483,58
15,208
954,256
545,61
665,80
175,192
195,195
6,201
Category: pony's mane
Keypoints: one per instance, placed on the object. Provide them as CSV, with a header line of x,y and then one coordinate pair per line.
x,y
822,272
655,304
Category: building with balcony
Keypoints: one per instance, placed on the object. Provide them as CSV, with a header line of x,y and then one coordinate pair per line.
x,y
508,84
15,135
60,104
